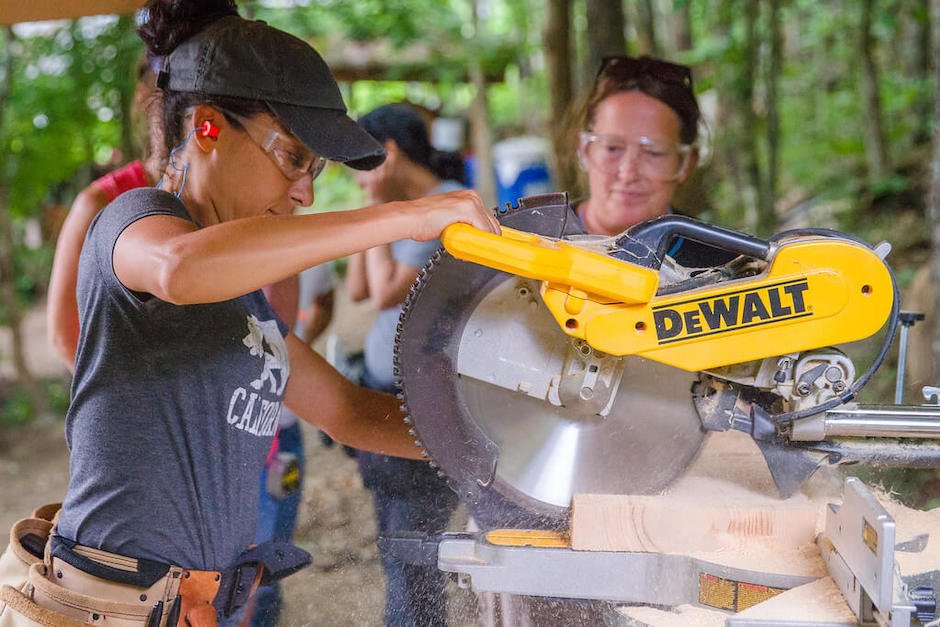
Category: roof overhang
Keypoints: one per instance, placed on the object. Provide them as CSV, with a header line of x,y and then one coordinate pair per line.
x,y
14,11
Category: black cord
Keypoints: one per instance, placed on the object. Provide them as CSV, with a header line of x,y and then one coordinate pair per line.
x,y
860,382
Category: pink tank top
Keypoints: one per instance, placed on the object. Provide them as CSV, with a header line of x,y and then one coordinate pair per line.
x,y
115,183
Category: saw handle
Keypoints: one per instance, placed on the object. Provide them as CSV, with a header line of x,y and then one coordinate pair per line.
x,y
659,234
553,261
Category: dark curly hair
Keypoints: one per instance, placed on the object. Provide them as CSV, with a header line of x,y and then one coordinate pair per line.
x,y
165,24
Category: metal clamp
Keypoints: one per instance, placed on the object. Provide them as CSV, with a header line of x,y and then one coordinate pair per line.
x,y
908,319
931,394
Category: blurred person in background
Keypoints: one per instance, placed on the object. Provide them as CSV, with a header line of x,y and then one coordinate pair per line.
x,y
310,307
408,495
636,139
61,307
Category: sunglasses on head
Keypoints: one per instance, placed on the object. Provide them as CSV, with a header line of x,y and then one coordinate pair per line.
x,y
628,68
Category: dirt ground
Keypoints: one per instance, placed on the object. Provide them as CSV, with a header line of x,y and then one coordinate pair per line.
x,y
344,586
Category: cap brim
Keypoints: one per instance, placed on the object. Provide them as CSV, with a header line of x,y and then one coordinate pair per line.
x,y
331,134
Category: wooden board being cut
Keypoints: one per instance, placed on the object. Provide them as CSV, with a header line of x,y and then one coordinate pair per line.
x,y
667,524
725,510
919,531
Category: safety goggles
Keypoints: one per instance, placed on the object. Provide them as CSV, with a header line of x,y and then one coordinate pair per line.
x,y
626,68
656,160
293,158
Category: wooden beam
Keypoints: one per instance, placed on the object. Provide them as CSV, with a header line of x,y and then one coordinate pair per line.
x,y
15,11
664,524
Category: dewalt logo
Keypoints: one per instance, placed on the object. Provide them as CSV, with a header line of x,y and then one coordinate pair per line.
x,y
731,311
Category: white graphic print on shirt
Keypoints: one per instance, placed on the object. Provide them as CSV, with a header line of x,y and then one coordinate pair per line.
x,y
249,409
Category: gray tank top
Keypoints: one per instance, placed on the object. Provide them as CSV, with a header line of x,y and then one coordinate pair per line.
x,y
173,410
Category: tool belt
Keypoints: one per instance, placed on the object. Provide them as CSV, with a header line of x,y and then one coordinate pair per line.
x,y
60,582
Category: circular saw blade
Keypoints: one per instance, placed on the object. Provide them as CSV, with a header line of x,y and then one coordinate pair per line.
x,y
517,459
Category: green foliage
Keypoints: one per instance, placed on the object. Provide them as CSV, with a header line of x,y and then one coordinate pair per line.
x,y
913,487
16,409
57,393
64,108
336,190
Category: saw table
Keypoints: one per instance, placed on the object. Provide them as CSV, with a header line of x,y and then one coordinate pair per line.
x,y
867,580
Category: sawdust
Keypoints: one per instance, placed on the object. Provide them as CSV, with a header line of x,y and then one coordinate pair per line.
x,y
819,601
682,616
911,527
730,468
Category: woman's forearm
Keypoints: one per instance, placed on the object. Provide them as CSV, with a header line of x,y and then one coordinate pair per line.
x,y
354,415
177,262
169,258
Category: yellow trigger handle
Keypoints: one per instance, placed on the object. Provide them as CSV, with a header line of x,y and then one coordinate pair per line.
x,y
534,257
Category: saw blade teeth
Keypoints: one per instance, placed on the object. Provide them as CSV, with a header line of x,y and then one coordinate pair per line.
x,y
414,293
416,327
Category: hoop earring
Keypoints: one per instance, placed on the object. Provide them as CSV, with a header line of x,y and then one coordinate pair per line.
x,y
173,165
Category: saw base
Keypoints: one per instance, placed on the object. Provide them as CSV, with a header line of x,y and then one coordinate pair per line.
x,y
868,566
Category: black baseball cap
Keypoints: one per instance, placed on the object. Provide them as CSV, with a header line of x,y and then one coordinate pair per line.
x,y
248,59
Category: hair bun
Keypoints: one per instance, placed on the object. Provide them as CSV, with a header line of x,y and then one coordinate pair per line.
x,y
167,23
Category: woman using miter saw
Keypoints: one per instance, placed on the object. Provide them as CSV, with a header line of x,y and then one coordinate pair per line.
x,y
182,366
408,495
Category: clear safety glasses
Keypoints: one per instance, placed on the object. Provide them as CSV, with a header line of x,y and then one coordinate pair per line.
x,y
656,160
293,158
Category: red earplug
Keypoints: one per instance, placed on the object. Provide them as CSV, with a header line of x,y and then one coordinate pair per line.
x,y
208,129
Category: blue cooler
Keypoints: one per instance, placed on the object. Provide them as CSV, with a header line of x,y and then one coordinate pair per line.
x,y
520,166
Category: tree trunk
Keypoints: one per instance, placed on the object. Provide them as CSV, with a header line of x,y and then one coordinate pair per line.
x,y
916,38
482,133
750,137
8,296
767,217
132,140
875,152
727,163
605,26
933,192
646,28
557,45
681,25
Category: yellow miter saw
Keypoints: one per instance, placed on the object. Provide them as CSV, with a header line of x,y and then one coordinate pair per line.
x,y
544,362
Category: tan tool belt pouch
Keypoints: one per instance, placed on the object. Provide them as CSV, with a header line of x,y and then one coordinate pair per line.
x,y
65,595
32,532
16,559
55,593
